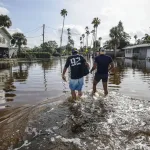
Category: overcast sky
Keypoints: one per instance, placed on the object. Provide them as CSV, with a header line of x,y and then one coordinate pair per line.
x,y
27,15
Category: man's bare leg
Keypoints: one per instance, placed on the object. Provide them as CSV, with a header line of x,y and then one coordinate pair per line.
x,y
105,88
94,86
79,93
73,93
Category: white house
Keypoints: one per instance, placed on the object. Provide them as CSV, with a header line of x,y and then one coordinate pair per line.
x,y
6,51
141,51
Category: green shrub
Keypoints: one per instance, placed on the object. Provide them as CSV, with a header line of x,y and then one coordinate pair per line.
x,y
35,55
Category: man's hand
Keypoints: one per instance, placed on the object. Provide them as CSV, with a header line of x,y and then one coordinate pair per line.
x,y
64,78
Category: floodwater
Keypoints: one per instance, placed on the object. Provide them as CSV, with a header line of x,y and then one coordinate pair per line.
x,y
120,121
29,83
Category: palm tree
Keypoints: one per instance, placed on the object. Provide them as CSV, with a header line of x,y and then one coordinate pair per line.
x,y
83,36
87,35
115,38
18,39
96,22
135,37
64,14
72,42
80,41
5,21
69,34
100,38
146,38
93,33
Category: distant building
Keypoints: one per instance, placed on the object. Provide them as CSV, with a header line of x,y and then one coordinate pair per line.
x,y
141,51
6,51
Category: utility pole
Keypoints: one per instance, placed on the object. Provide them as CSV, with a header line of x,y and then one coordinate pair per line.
x,y
43,32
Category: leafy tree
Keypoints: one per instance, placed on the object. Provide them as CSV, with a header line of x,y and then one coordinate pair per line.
x,y
119,38
146,38
100,38
96,44
71,42
96,22
135,37
87,35
64,14
83,36
5,21
18,39
49,46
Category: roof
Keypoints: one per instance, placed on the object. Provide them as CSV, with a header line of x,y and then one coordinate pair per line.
x,y
6,32
137,46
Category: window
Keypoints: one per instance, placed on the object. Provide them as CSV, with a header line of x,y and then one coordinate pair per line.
x,y
0,40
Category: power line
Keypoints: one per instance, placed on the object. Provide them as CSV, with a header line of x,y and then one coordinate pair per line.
x,y
36,29
34,36
51,28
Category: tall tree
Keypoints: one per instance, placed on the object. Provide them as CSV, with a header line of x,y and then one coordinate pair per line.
x,y
5,21
83,36
69,34
49,46
64,14
119,38
87,35
81,42
18,39
96,22
71,42
93,36
146,38
100,38
135,37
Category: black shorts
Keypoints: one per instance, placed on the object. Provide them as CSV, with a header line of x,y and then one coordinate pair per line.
x,y
103,77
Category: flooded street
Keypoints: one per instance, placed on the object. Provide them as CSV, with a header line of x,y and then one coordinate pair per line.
x,y
29,83
119,121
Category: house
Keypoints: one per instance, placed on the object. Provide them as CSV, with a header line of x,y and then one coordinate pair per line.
x,y
6,51
141,51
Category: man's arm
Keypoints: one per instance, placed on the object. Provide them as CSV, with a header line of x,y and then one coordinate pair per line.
x,y
65,69
111,66
94,67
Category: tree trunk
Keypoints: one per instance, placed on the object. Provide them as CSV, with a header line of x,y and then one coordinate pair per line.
x,y
83,42
19,49
87,41
62,32
115,51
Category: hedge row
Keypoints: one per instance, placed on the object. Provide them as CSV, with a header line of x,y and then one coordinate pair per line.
x,y
35,55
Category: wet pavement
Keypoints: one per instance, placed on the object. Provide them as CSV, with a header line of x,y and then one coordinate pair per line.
x,y
91,123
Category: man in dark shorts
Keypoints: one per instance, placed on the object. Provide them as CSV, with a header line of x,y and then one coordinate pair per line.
x,y
104,64
76,82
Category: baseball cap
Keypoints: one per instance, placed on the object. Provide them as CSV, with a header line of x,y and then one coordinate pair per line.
x,y
74,51
102,50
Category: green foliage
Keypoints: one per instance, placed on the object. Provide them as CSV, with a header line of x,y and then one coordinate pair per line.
x,y
96,22
18,39
64,12
96,44
119,38
5,21
35,54
146,39
49,46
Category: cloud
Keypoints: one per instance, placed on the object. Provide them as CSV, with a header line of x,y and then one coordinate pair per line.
x,y
4,11
12,31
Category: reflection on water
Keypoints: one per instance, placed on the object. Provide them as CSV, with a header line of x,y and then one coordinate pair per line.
x,y
29,83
